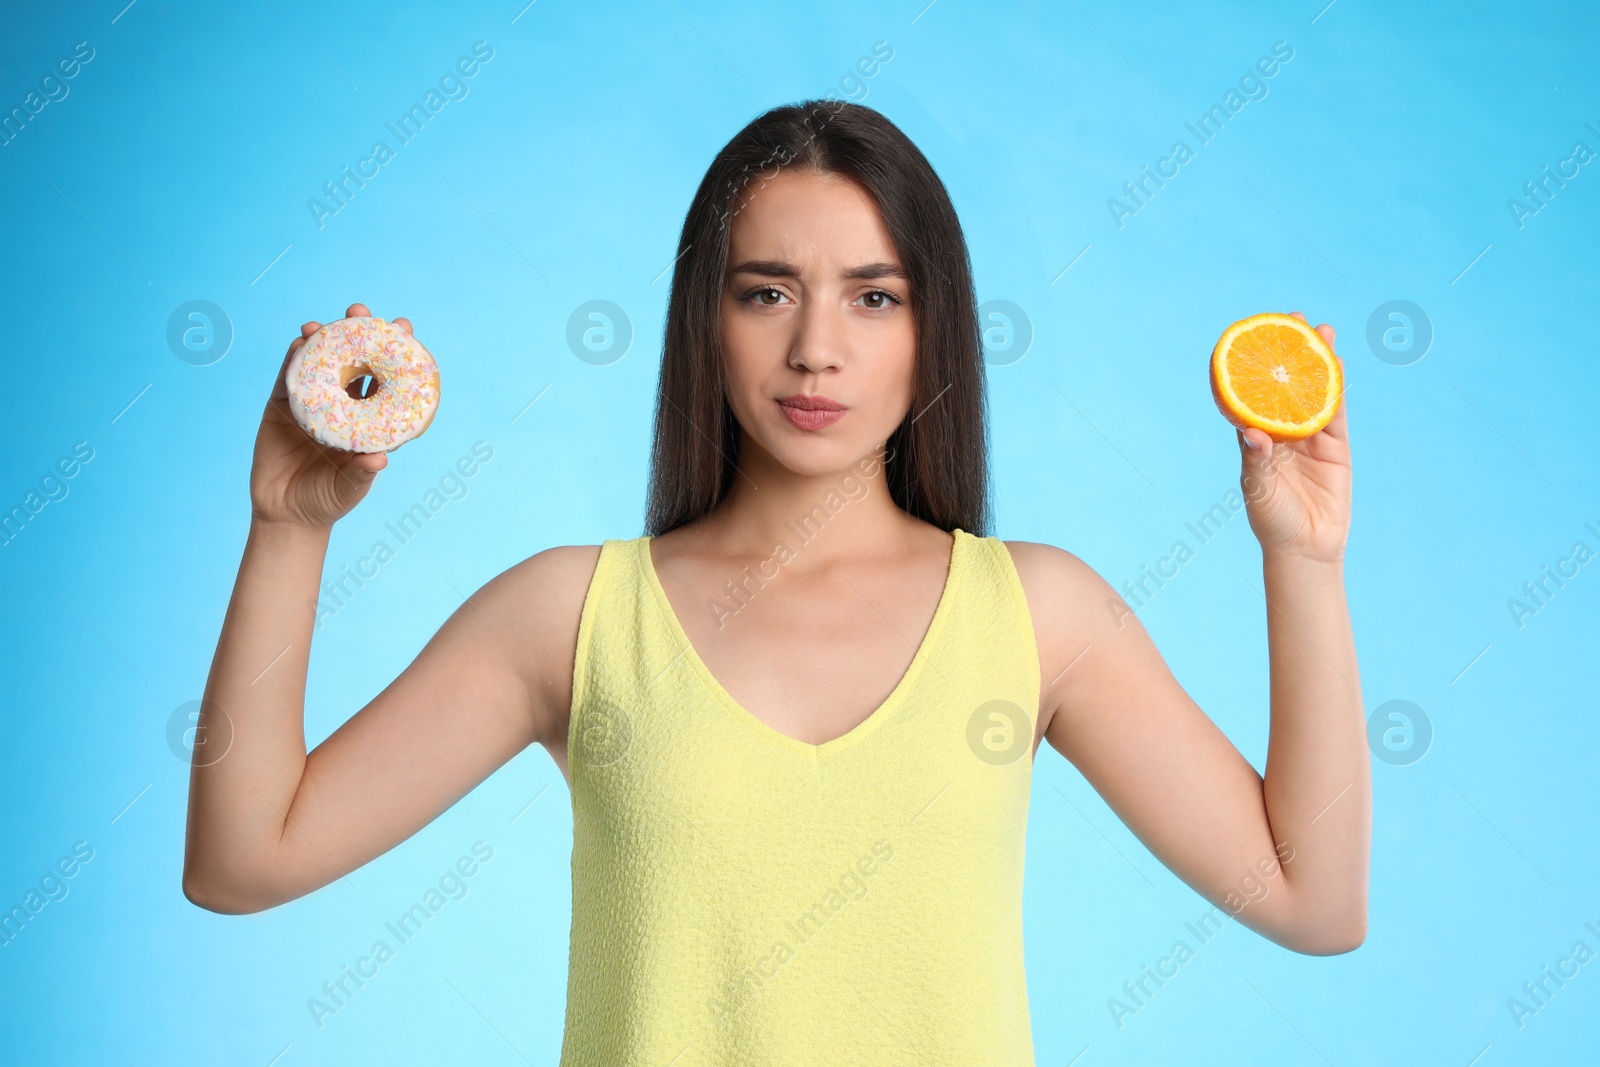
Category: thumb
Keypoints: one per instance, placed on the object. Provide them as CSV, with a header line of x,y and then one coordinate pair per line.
x,y
1256,454
368,464
1253,442
357,472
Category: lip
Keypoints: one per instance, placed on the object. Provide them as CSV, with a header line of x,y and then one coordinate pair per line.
x,y
811,412
816,402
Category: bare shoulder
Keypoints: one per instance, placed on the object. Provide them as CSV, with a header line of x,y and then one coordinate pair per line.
x,y
1059,582
557,567
535,606
545,592
1072,608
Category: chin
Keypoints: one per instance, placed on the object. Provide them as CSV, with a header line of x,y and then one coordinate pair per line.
x,y
813,454
813,458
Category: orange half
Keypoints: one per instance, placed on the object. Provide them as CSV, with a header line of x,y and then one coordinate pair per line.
x,y
1275,373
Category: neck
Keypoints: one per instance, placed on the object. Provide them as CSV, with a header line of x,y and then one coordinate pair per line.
x,y
844,512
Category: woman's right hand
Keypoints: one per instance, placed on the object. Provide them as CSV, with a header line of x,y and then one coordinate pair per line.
x,y
296,480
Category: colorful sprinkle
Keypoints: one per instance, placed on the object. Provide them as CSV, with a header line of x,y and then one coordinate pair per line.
x,y
342,351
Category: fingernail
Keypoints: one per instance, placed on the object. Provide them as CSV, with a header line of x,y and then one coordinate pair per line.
x,y
1251,445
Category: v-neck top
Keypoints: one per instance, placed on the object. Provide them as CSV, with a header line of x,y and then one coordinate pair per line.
x,y
742,896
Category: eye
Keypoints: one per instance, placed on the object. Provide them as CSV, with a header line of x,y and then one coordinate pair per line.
x,y
887,300
754,296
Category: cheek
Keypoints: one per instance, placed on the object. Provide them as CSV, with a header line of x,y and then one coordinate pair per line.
x,y
895,373
744,362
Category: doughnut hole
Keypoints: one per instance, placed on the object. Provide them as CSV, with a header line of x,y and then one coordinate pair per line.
x,y
359,381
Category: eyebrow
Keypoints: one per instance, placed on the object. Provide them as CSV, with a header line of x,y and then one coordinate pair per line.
x,y
775,268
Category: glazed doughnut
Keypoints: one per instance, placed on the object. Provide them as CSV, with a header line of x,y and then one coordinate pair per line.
x,y
407,385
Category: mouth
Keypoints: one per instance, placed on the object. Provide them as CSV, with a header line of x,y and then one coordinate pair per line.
x,y
811,412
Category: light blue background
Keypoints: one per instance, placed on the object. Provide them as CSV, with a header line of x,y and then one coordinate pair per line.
x,y
1377,168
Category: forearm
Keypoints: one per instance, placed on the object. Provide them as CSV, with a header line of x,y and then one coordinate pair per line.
x,y
245,773
1317,785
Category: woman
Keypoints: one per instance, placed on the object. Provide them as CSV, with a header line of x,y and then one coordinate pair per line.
x,y
799,716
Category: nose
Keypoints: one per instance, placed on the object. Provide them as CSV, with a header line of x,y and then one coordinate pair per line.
x,y
820,341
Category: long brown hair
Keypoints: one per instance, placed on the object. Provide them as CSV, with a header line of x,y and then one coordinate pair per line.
x,y
937,466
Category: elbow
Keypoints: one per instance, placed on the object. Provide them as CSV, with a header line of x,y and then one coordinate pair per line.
x,y
205,896
214,896
1329,939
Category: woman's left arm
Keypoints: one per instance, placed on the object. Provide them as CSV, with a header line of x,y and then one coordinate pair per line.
x,y
1286,854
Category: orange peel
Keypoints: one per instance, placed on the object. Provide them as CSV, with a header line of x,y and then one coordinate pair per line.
x,y
1274,373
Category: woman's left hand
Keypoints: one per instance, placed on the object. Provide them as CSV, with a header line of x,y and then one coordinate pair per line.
x,y
1297,493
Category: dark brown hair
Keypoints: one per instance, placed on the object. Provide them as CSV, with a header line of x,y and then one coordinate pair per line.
x,y
937,459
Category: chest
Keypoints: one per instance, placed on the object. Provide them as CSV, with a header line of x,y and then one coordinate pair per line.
x,y
811,656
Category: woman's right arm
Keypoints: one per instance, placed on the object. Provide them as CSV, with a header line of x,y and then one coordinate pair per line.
x,y
269,822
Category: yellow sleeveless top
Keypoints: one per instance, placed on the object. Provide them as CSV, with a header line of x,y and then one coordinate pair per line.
x,y
743,897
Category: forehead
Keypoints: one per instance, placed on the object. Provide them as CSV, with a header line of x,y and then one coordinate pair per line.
x,y
803,218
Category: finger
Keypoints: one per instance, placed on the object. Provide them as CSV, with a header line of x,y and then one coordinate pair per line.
x,y
404,323
1337,427
1255,445
357,311
280,387
370,463
1256,451
357,469
1301,315
1326,333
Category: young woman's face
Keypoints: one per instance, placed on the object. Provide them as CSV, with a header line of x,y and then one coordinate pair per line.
x,y
815,311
